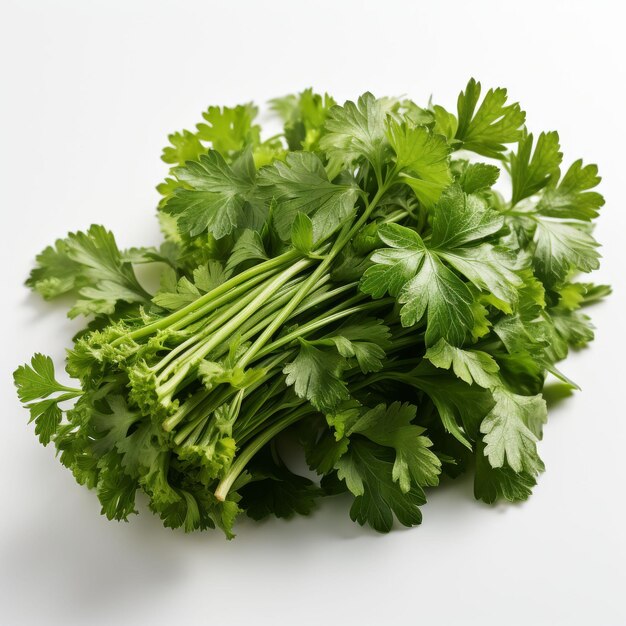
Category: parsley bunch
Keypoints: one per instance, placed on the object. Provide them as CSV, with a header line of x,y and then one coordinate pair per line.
x,y
357,280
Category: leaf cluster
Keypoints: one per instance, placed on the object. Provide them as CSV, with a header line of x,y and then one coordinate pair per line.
x,y
357,283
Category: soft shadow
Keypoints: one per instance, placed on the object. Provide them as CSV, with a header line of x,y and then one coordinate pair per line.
x,y
330,520
63,569
72,565
555,393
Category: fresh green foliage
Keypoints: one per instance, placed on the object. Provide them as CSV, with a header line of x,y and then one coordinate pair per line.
x,y
494,124
213,196
417,272
90,267
301,185
229,129
423,159
357,131
471,366
367,470
353,283
37,381
531,174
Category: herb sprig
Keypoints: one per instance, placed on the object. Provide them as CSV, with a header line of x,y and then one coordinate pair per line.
x,y
357,280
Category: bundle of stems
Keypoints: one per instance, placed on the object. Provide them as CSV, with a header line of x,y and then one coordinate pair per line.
x,y
357,281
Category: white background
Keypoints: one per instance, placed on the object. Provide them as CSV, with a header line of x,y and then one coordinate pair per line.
x,y
90,90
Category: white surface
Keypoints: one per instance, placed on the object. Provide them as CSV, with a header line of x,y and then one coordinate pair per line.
x,y
90,91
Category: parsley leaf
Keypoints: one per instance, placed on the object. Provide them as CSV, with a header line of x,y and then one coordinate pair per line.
x,y
275,490
90,266
301,185
354,131
113,425
500,483
271,314
478,176
423,159
460,219
229,129
412,270
214,195
184,147
304,116
461,408
365,340
422,283
571,198
175,294
115,489
511,431
486,130
529,175
367,470
37,381
249,247
391,427
316,375
561,247
471,366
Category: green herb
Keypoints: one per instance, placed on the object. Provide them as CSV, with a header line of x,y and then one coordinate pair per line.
x,y
356,281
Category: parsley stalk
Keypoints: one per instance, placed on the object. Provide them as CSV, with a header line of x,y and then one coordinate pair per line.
x,y
345,236
246,455
353,278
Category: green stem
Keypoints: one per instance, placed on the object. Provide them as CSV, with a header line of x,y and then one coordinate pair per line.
x,y
69,395
264,316
201,413
195,340
395,217
319,298
168,388
345,236
252,412
200,406
254,273
512,212
220,301
244,457
320,322
253,429
185,409
315,300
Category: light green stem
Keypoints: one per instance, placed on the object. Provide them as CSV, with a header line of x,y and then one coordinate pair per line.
x,y
344,237
167,389
320,322
244,457
256,272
